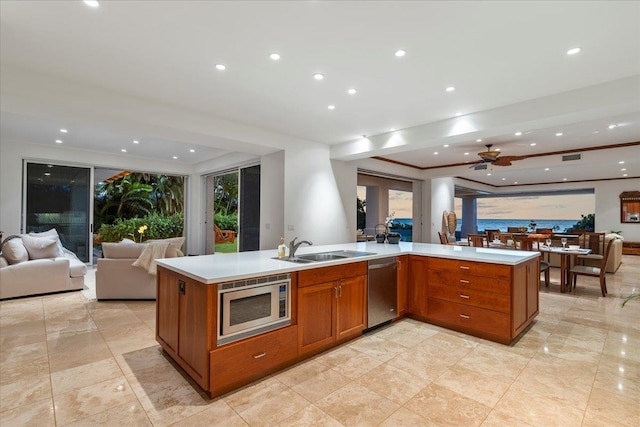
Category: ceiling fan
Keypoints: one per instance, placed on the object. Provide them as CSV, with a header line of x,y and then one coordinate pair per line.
x,y
490,157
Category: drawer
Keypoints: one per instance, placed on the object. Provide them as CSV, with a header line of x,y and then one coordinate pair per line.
x,y
240,363
330,274
471,267
470,281
468,317
491,301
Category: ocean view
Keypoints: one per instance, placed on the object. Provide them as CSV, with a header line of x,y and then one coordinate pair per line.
x,y
502,224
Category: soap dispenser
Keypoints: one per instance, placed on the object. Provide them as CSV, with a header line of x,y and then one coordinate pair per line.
x,y
281,248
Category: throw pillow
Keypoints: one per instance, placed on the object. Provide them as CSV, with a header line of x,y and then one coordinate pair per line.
x,y
51,233
14,251
40,247
175,245
614,236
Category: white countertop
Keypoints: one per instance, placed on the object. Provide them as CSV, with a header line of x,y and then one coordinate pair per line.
x,y
228,267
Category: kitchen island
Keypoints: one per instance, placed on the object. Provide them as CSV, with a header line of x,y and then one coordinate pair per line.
x,y
489,293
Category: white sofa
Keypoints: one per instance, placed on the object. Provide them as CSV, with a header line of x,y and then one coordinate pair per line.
x,y
118,278
615,256
26,272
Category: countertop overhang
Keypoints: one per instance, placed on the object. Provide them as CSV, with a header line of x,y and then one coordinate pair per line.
x,y
220,267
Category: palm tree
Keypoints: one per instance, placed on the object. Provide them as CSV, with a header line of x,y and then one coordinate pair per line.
x,y
124,198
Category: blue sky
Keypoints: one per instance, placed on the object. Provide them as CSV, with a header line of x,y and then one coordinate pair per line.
x,y
538,207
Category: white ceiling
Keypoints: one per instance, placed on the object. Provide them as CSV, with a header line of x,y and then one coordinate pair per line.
x,y
146,70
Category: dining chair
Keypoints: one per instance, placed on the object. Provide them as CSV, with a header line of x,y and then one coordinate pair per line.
x,y
595,242
526,244
491,234
544,230
505,237
477,240
583,270
443,238
514,229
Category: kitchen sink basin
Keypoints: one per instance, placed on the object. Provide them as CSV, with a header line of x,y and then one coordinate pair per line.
x,y
296,260
325,256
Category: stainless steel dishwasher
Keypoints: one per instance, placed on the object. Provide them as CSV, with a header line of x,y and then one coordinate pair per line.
x,y
382,295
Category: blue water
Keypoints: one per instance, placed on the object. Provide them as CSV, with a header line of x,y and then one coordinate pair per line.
x,y
502,224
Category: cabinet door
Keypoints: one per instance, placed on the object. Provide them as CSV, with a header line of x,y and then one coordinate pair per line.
x,y
192,334
418,289
351,303
316,316
403,277
167,309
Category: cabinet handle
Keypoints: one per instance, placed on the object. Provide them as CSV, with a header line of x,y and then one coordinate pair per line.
x,y
340,289
259,355
399,265
181,286
464,267
464,296
464,281
465,316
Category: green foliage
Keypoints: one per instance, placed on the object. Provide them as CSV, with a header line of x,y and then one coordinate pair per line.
x,y
587,222
226,194
226,222
631,297
362,214
159,227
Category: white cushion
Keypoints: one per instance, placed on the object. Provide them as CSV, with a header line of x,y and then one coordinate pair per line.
x,y
14,251
51,233
613,236
77,268
122,250
40,247
3,262
175,244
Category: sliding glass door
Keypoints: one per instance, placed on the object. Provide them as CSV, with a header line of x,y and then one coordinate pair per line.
x,y
59,197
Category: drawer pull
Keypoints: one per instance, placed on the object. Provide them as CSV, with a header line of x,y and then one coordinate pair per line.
x,y
464,281
259,355
464,296
465,316
464,267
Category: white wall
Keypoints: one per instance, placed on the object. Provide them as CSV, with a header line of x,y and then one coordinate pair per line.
x,y
442,195
271,200
608,207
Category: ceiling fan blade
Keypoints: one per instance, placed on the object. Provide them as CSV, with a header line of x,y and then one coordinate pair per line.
x,y
506,160
479,166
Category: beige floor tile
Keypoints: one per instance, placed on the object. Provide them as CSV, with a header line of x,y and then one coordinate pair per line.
x,y
538,410
38,414
65,323
84,375
129,337
615,406
143,358
321,385
267,404
498,419
25,391
217,413
349,362
18,369
310,416
483,359
406,418
421,364
26,352
80,355
591,419
447,408
155,379
355,405
22,333
84,402
126,414
171,405
392,383
482,387
376,347
301,372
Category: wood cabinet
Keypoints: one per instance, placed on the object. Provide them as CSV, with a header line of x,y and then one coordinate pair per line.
x,y
184,317
403,283
330,311
491,301
417,290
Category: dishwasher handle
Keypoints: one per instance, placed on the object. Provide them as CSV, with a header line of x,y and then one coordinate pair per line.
x,y
388,264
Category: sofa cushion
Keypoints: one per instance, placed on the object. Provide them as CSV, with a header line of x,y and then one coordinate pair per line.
x,y
3,262
77,268
14,251
40,247
175,244
51,233
122,250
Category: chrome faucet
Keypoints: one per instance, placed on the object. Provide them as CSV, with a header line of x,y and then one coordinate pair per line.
x,y
293,246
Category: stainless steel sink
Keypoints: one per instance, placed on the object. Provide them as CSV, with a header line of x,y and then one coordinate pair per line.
x,y
322,256
296,259
351,254
325,256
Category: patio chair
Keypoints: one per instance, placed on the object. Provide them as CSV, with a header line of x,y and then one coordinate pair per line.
x,y
223,236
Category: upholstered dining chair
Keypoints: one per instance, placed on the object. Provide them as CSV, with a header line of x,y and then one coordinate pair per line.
x,y
477,240
583,270
505,238
595,242
443,238
526,244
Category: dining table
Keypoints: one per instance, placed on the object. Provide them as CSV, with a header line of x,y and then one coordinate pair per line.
x,y
566,258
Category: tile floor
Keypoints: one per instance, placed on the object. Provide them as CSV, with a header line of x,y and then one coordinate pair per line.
x,y
68,360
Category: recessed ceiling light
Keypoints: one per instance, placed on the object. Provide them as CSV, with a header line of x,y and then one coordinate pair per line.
x,y
546,169
559,134
450,89
573,50
564,179
191,150
515,182
612,126
623,169
392,129
274,56
435,153
621,162
135,141
479,140
47,174
489,174
625,174
504,179
533,144
352,91
64,130
124,150
596,131
318,76
175,157
518,133
446,145
221,67
498,149
466,154
331,107
400,52
92,3
58,141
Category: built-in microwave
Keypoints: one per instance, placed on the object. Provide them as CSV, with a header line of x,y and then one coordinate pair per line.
x,y
251,307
